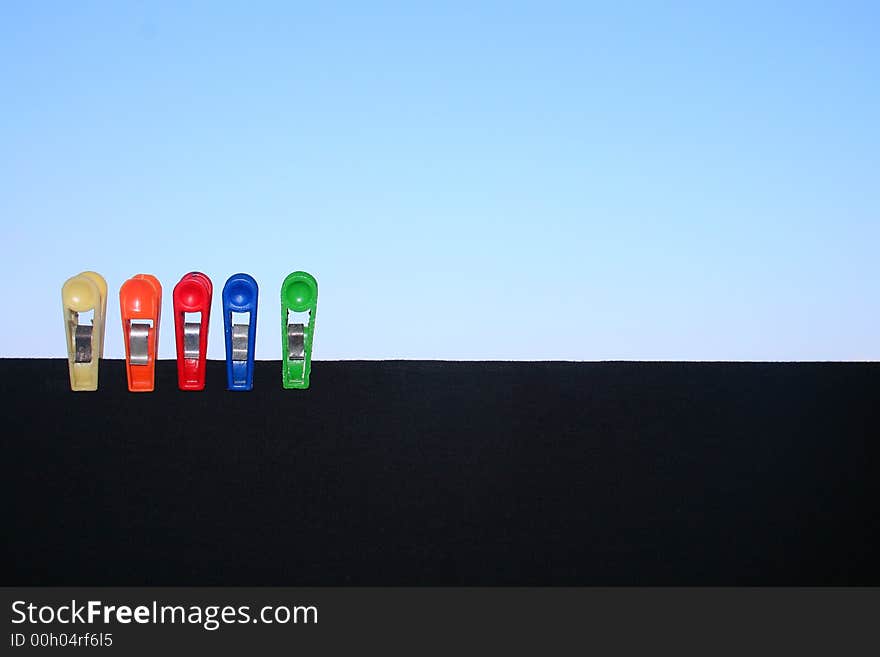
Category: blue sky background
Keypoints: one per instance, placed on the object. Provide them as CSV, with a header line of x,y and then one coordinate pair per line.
x,y
513,180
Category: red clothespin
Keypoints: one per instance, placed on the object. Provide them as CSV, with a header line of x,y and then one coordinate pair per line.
x,y
192,295
140,301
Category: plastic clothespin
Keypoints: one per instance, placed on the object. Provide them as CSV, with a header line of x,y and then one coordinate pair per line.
x,y
192,294
140,303
240,296
85,292
299,294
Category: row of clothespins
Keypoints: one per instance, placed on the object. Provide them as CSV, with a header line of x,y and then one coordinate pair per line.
x,y
140,304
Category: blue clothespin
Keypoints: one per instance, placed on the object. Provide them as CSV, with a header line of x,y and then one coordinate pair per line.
x,y
240,296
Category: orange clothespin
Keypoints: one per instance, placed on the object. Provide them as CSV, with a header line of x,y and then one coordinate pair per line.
x,y
140,302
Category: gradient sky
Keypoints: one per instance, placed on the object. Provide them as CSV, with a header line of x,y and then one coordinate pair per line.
x,y
466,180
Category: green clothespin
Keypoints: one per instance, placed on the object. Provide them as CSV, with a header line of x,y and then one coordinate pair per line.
x,y
299,294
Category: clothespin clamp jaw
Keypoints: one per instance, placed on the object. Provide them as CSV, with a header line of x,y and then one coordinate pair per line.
x,y
192,294
240,296
83,293
299,294
140,304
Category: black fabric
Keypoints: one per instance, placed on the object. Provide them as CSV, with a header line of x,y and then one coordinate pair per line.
x,y
405,472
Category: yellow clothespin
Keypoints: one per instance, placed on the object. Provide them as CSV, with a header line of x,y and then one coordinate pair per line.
x,y
86,292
